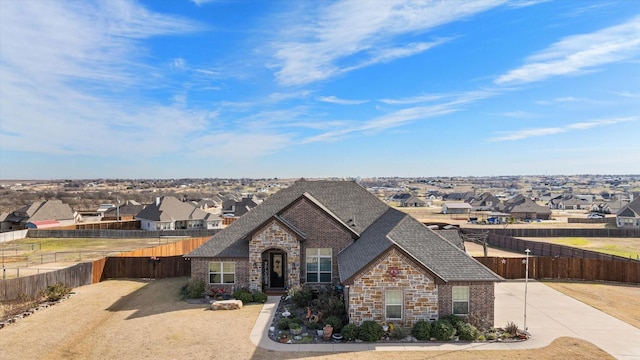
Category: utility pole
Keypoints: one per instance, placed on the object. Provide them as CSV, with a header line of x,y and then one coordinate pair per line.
x,y
526,282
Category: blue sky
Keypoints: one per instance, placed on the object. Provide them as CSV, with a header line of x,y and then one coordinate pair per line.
x,y
177,89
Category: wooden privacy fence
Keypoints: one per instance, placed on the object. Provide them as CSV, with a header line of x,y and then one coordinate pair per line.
x,y
564,268
145,267
545,249
173,249
119,234
31,286
563,232
159,262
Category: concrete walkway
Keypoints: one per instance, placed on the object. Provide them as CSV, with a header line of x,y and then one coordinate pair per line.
x,y
550,314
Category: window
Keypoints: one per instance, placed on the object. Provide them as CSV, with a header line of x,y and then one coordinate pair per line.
x,y
393,304
319,265
460,300
222,272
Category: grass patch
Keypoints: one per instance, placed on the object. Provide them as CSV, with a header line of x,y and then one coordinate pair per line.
x,y
573,241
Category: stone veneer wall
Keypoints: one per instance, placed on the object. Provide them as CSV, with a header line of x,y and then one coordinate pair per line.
x,y
366,294
481,300
321,231
200,271
274,236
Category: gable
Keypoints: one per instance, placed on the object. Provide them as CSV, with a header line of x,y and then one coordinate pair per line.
x,y
316,221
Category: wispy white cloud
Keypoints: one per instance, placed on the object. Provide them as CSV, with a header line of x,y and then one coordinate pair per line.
x,y
627,94
561,100
413,100
66,68
335,100
347,35
202,2
401,117
525,3
528,133
518,114
579,53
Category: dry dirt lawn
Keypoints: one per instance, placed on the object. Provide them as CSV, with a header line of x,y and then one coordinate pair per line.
x,y
135,319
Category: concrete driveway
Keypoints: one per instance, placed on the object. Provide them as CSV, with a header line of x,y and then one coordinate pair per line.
x,y
551,314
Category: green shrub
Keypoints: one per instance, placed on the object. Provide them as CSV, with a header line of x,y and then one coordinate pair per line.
x,y
193,289
302,298
511,328
313,326
442,330
335,322
349,332
454,320
370,331
56,292
467,331
422,330
283,324
492,336
400,333
295,320
259,297
243,295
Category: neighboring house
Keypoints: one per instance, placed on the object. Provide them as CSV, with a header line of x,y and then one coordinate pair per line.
x,y
169,213
209,205
325,233
523,208
240,207
629,216
40,214
456,208
483,202
125,212
413,201
569,202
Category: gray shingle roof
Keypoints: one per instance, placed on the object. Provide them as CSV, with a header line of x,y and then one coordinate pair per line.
x,y
376,226
440,256
349,202
631,210
171,209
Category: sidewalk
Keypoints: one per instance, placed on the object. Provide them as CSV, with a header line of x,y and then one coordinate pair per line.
x,y
550,314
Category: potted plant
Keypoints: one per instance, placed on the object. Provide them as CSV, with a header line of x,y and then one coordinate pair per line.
x,y
295,328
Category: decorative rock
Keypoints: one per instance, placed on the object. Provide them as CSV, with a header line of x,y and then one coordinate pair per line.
x,y
226,305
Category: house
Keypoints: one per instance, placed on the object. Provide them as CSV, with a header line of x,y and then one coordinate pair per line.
x,y
169,213
240,207
125,212
38,215
629,216
483,202
523,208
456,208
325,233
569,202
407,200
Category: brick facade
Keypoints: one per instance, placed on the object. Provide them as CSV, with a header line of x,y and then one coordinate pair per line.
x,y
200,271
365,297
321,231
481,300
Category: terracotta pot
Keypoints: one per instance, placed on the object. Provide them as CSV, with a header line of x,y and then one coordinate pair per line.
x,y
327,331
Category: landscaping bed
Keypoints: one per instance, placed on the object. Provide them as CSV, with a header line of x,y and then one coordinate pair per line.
x,y
304,316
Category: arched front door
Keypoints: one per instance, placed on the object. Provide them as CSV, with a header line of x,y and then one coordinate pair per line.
x,y
274,267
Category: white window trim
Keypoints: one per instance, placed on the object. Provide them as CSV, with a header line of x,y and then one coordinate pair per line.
x,y
222,273
454,301
318,272
387,304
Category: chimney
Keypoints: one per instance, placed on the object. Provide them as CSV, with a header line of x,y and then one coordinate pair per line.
x,y
157,200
